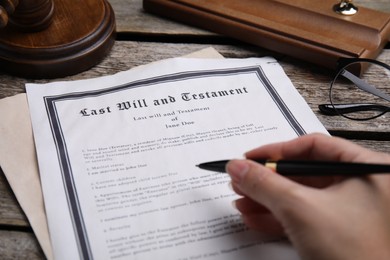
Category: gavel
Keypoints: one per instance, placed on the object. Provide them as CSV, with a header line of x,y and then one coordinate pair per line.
x,y
27,15
54,38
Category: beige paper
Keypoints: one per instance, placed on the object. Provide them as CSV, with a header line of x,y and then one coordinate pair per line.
x,y
18,159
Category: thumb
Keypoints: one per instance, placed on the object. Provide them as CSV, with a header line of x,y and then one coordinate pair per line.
x,y
262,185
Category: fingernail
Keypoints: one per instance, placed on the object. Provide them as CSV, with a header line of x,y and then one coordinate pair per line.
x,y
237,170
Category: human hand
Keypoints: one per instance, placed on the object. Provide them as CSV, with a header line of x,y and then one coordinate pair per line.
x,y
324,217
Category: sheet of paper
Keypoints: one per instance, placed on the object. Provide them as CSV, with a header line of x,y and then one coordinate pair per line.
x,y
16,141
117,157
19,164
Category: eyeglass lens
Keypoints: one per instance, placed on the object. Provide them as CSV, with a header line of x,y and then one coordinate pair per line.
x,y
361,97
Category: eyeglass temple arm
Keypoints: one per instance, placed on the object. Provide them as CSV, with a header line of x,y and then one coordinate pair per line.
x,y
364,85
337,109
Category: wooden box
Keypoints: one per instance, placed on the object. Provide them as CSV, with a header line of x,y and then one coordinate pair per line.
x,y
305,29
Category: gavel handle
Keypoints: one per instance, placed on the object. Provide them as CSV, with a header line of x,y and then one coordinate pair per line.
x,y
7,8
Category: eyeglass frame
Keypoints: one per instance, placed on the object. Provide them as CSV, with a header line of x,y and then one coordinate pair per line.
x,y
331,110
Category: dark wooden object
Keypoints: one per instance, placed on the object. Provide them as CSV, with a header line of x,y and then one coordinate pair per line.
x,y
54,38
305,29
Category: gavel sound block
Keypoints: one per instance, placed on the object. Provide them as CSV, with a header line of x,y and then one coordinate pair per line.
x,y
54,38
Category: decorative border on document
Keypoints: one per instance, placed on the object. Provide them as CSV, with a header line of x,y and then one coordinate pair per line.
x,y
66,168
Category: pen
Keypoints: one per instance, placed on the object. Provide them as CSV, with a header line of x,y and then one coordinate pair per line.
x,y
308,168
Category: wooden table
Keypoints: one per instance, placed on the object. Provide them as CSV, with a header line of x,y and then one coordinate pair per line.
x,y
143,38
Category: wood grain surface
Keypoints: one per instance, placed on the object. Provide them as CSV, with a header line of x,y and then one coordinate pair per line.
x,y
145,38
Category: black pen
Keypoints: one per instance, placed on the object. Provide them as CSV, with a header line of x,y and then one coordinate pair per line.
x,y
308,168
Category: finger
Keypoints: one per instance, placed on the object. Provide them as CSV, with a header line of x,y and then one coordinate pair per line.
x,y
236,189
262,184
318,182
248,206
265,223
312,181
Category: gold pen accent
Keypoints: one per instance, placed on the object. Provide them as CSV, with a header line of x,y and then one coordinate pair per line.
x,y
271,165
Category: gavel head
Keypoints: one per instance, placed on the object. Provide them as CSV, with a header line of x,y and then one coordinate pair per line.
x,y
40,42
26,15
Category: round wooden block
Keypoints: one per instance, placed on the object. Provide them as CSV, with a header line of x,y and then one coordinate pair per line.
x,y
80,35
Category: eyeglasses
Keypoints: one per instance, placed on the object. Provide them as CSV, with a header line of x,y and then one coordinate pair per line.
x,y
360,90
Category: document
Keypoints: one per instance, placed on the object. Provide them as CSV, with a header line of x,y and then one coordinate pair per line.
x,y
117,157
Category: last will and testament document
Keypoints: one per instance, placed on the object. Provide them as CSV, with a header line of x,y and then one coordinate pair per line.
x,y
117,157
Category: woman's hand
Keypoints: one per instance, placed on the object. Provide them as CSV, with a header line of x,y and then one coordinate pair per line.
x,y
324,217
